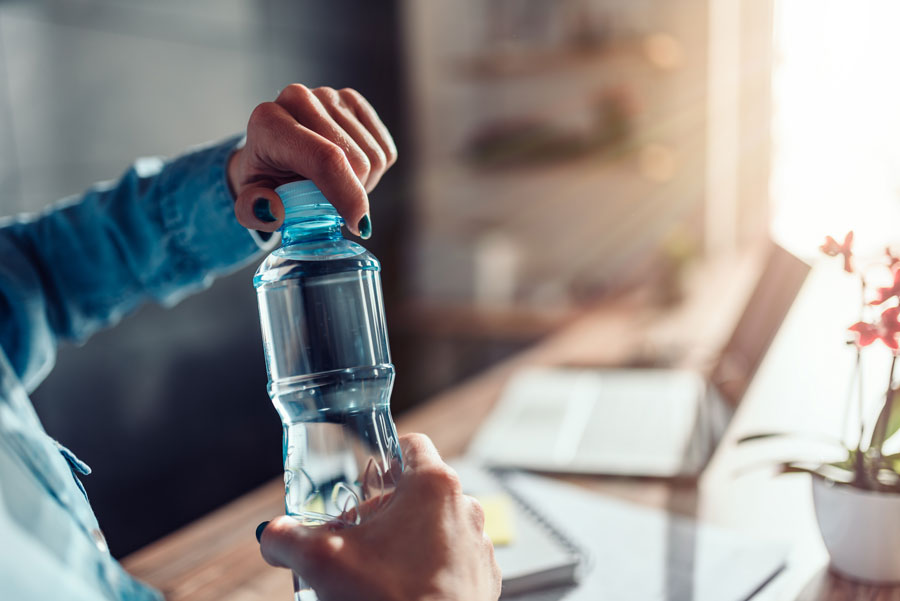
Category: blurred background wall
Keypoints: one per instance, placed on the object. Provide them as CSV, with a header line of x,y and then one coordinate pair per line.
x,y
170,407
553,154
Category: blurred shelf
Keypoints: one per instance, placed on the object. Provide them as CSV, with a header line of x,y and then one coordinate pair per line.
x,y
584,225
467,321
527,63
534,201
615,173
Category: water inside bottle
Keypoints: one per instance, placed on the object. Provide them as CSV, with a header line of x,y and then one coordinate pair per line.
x,y
341,455
343,466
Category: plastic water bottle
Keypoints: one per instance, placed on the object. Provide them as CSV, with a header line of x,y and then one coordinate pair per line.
x,y
329,366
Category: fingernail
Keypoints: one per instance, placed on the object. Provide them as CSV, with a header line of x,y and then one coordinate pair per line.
x,y
262,210
259,530
365,227
264,236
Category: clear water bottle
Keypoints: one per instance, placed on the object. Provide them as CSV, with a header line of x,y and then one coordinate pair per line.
x,y
329,366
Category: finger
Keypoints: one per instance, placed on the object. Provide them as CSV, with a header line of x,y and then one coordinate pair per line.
x,y
370,119
350,123
310,552
363,512
294,149
259,208
309,111
418,452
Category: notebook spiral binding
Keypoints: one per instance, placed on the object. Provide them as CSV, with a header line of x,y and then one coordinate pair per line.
x,y
585,560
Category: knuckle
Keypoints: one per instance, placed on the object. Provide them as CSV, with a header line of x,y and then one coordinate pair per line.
x,y
477,512
488,546
295,94
379,159
263,113
329,157
362,163
441,480
350,96
326,93
416,443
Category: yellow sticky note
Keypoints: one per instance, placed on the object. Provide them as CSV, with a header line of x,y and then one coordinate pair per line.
x,y
498,518
315,505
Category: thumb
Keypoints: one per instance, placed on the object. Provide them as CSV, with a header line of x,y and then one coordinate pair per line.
x,y
311,552
259,208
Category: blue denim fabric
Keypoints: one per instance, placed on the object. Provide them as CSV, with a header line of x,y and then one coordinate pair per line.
x,y
163,230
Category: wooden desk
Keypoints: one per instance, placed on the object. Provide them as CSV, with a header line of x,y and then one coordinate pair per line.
x,y
799,386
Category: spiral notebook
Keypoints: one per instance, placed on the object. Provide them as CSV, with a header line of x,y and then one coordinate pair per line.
x,y
532,553
570,544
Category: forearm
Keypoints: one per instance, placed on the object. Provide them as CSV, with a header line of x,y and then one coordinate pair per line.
x,y
161,231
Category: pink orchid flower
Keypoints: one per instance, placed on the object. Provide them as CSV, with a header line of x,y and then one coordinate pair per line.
x,y
888,292
833,249
892,259
886,330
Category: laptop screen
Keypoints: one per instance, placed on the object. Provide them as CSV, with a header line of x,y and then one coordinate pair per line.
x,y
782,276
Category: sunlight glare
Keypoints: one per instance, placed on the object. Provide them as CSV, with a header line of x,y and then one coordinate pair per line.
x,y
836,162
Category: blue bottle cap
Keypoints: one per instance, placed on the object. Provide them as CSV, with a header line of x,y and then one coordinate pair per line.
x,y
303,200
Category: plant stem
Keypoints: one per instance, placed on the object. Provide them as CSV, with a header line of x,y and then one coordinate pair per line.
x,y
860,407
859,398
859,469
846,425
878,433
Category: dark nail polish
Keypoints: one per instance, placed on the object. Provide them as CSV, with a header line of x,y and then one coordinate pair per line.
x,y
259,530
365,227
262,210
264,236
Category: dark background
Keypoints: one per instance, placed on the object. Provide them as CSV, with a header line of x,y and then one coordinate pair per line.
x,y
170,407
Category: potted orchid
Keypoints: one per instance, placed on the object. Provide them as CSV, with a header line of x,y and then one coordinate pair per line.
x,y
857,498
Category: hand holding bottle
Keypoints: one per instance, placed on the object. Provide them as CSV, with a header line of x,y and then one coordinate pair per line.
x,y
427,544
332,137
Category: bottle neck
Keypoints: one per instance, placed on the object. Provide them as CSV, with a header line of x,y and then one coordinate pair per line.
x,y
310,230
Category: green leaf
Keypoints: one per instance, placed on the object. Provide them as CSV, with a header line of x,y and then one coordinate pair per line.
x,y
893,424
888,421
762,436
828,471
850,463
807,435
892,462
888,479
857,470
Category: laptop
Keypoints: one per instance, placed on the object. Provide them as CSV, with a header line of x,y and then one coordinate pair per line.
x,y
635,421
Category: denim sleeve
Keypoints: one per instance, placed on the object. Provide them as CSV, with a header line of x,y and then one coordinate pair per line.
x,y
162,231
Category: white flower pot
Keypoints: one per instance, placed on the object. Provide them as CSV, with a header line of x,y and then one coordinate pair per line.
x,y
861,530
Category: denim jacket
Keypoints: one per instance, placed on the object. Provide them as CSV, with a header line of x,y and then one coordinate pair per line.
x,y
163,230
